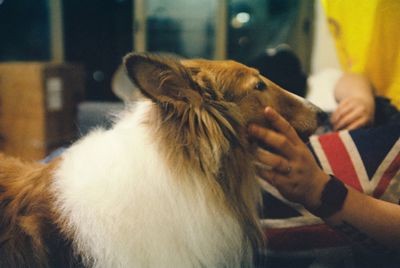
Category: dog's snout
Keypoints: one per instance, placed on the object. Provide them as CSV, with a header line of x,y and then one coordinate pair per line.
x,y
321,117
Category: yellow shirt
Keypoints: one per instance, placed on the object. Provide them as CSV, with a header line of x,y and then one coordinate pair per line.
x,y
367,35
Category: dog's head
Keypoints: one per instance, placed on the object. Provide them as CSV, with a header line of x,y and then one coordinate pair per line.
x,y
203,109
199,83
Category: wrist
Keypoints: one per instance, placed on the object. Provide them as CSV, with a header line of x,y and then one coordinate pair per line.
x,y
332,198
352,85
313,200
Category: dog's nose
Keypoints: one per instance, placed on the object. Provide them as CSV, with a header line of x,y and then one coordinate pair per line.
x,y
322,117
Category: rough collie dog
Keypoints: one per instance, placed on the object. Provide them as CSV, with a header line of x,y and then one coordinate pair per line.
x,y
172,184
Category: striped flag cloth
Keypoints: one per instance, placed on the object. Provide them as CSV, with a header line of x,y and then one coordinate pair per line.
x,y
366,159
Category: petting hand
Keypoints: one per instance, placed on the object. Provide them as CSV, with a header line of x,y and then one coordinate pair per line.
x,y
291,168
356,103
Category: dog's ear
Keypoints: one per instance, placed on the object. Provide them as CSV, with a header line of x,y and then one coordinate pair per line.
x,y
160,78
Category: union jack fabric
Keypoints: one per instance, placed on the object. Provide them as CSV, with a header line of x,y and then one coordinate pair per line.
x,y
366,159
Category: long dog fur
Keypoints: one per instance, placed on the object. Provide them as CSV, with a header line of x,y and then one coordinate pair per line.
x,y
172,184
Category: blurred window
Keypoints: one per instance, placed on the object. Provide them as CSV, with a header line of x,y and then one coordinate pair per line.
x,y
184,27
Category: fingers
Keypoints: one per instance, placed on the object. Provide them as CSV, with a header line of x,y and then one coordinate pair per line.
x,y
358,123
271,167
274,140
283,139
353,119
271,176
354,112
270,161
267,175
343,108
349,118
281,125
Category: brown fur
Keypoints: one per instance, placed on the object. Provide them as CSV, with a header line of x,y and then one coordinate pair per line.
x,y
27,217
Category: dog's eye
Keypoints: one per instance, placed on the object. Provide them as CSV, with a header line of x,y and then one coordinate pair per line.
x,y
260,86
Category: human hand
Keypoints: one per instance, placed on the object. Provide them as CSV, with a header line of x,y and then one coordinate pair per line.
x,y
291,168
356,101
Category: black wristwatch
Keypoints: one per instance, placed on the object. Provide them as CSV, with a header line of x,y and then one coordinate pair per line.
x,y
332,198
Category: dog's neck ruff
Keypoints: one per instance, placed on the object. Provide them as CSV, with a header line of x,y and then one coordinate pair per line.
x,y
122,206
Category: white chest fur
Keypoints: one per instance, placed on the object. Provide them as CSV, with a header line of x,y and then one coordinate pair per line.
x,y
125,209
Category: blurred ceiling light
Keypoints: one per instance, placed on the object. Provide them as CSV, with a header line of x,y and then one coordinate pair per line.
x,y
243,17
240,19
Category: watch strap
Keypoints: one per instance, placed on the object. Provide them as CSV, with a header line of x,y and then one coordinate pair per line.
x,y
333,197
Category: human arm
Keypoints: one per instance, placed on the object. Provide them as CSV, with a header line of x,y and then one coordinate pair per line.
x,y
372,222
356,104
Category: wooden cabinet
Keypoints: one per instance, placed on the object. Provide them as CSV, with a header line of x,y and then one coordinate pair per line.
x,y
38,104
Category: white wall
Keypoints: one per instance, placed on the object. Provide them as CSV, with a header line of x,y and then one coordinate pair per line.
x,y
324,51
325,67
